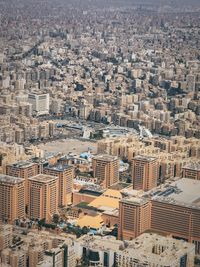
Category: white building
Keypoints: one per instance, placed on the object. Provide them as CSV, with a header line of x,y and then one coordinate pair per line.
x,y
40,103
96,250
148,249
154,250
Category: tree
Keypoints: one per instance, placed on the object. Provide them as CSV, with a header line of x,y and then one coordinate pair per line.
x,y
56,218
41,222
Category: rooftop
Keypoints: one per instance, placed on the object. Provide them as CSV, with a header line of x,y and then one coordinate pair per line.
x,y
22,164
10,179
94,222
183,192
105,243
145,158
110,198
153,248
134,200
105,157
59,167
193,166
43,178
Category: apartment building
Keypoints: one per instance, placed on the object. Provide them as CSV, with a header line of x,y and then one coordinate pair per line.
x,y
5,236
134,217
144,172
12,193
25,170
106,170
43,196
155,250
65,174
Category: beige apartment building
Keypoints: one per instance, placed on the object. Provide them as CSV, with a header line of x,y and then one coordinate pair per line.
x,y
6,235
144,172
12,192
106,170
155,250
43,196
65,176
25,170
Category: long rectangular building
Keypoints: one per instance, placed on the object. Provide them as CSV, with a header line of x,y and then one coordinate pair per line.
x,y
173,210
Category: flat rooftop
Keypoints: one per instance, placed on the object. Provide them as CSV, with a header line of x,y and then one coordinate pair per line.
x,y
7,179
183,192
134,200
59,167
22,164
43,178
192,166
97,243
156,249
105,157
145,158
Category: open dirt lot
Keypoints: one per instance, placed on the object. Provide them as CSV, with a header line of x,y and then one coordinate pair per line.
x,y
69,145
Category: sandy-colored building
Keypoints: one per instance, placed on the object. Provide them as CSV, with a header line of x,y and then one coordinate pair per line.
x,y
65,176
155,250
106,170
172,210
12,192
134,217
5,236
25,170
43,196
38,249
144,172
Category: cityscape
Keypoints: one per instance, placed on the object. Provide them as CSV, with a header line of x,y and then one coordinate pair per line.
x,y
99,133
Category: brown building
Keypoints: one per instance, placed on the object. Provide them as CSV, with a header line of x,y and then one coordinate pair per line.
x,y
134,217
43,196
66,176
12,205
191,171
106,170
144,172
173,210
23,170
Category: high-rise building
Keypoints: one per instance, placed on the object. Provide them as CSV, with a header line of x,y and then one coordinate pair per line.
x,y
144,172
25,170
43,196
65,173
106,170
40,103
134,217
12,205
